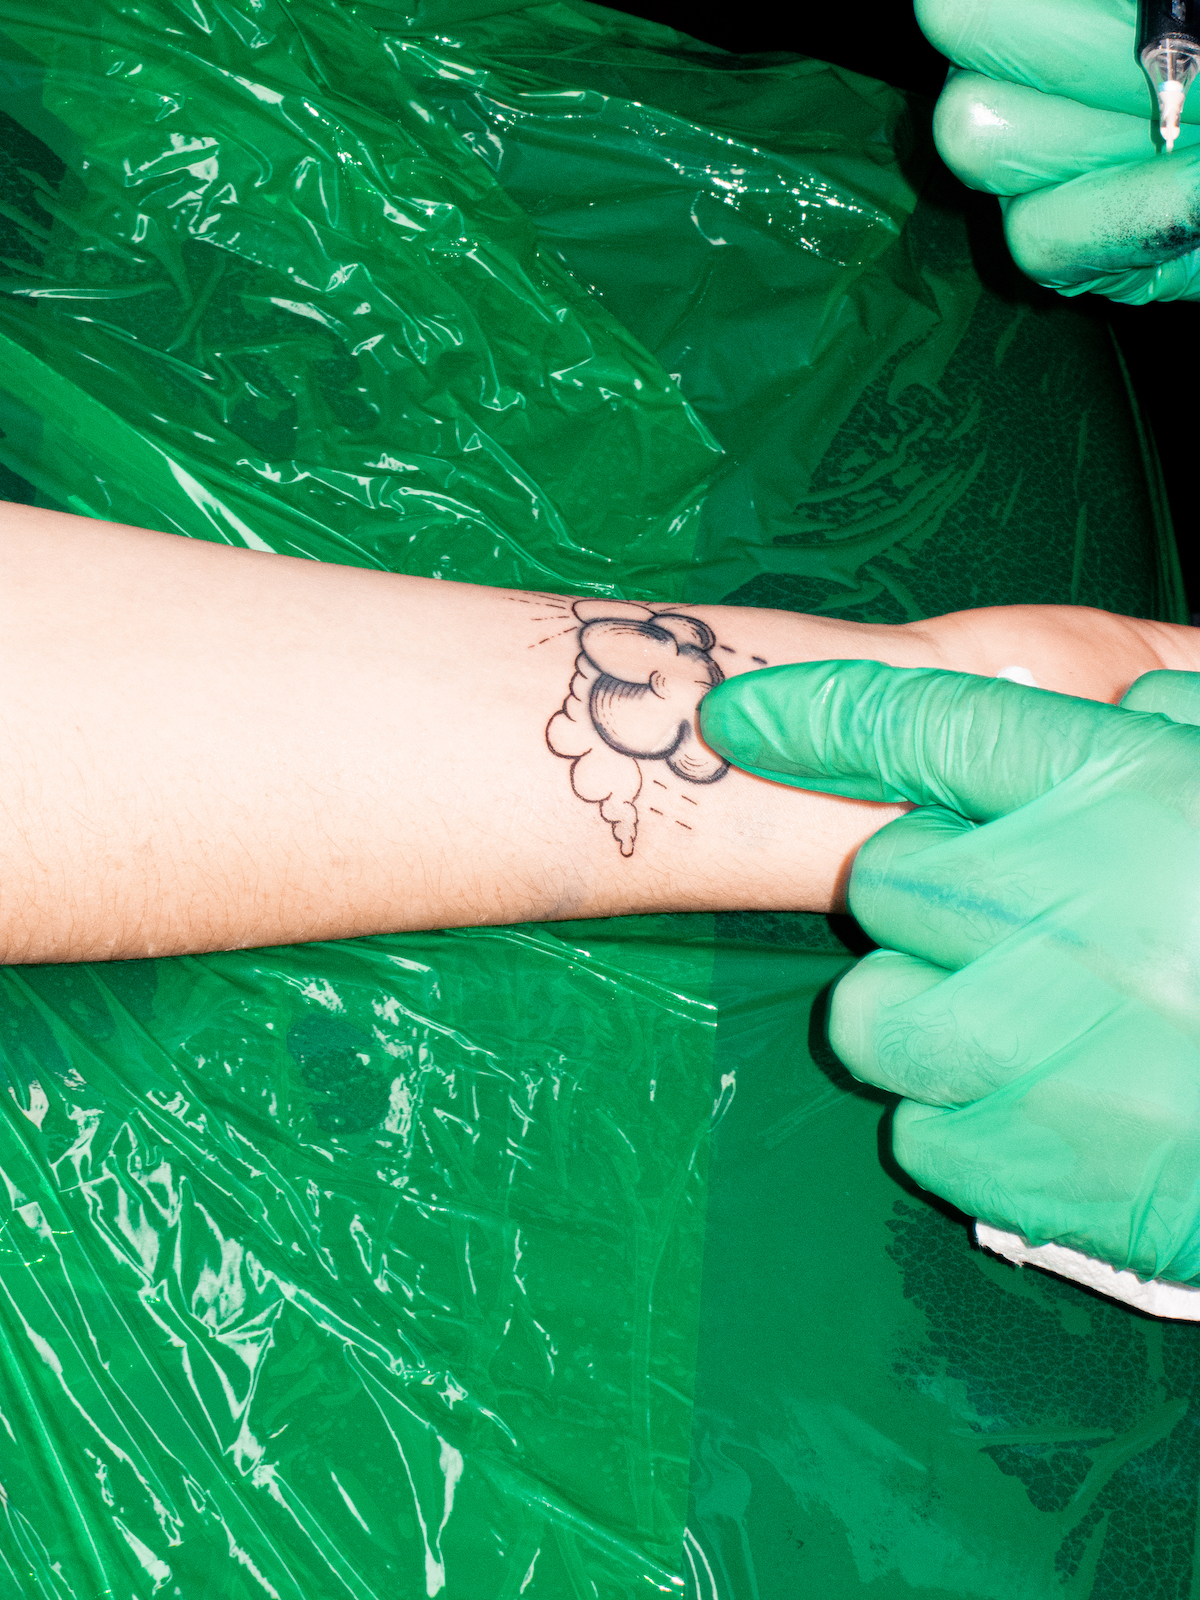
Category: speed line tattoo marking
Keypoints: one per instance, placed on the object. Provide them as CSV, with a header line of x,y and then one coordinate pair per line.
x,y
640,676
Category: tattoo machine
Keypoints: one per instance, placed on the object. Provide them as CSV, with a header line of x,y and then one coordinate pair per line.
x,y
1169,49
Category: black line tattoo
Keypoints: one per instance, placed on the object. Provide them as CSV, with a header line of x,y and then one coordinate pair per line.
x,y
728,649
556,602
686,825
640,676
689,799
561,634
762,660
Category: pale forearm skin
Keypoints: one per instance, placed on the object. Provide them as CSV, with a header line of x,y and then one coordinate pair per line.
x,y
203,748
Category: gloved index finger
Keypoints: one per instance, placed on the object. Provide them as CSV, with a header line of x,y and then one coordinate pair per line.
x,y
981,746
1083,49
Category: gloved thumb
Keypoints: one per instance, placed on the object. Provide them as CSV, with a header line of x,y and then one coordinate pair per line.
x,y
981,746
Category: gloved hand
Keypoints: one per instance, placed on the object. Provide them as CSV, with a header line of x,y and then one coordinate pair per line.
x,y
1049,104
1039,1005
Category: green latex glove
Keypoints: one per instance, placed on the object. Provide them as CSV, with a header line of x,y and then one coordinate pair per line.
x,y
1038,1006
1049,104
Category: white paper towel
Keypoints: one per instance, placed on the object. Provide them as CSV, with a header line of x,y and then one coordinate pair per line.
x,y
1178,1301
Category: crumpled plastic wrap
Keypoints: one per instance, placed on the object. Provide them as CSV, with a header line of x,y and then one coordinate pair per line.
x,y
366,1268
257,291
379,1268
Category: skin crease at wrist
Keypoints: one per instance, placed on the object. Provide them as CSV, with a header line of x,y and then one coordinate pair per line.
x,y
208,747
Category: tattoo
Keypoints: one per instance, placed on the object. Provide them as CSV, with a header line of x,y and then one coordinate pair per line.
x,y
640,676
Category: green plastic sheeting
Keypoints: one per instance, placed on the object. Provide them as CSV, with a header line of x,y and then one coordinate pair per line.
x,y
882,1410
380,1268
908,428
338,1270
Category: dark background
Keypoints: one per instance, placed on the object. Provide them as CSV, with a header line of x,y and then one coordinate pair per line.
x,y
881,38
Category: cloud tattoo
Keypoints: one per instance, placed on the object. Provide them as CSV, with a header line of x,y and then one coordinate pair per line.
x,y
639,677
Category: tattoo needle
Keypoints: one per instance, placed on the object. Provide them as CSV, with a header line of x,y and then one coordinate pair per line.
x,y
1169,50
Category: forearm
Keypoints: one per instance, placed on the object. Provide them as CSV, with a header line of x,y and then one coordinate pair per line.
x,y
204,747
1074,650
